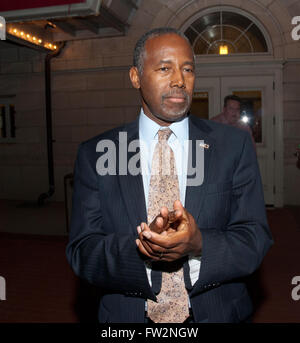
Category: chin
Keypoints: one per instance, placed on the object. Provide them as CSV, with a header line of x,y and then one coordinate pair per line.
x,y
174,116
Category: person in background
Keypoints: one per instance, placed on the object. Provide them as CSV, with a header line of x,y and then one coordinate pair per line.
x,y
231,115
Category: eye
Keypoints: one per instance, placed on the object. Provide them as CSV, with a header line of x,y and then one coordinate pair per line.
x,y
164,68
189,70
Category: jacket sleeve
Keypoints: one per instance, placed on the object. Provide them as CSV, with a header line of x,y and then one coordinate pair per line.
x,y
103,257
237,249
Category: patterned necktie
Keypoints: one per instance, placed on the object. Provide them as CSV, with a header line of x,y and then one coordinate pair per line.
x,y
172,301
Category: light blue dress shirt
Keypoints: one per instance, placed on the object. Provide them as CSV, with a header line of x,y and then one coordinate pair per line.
x,y
178,141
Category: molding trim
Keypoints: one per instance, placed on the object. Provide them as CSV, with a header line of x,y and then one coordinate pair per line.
x,y
236,10
202,10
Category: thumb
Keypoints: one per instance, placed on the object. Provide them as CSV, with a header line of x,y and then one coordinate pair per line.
x,y
180,210
177,205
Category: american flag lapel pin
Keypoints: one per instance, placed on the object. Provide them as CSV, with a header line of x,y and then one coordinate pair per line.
x,y
204,145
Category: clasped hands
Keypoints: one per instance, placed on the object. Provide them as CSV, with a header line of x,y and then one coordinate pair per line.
x,y
171,235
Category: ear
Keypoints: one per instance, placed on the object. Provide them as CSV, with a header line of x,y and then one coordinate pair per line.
x,y
135,77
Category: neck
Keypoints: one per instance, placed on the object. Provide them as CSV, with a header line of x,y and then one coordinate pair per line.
x,y
159,121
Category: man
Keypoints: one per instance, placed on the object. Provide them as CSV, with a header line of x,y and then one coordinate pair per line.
x,y
210,237
231,115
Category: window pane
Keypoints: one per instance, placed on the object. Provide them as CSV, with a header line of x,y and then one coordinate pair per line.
x,y
230,18
243,45
212,34
231,33
200,47
208,20
191,35
257,39
234,30
252,108
200,105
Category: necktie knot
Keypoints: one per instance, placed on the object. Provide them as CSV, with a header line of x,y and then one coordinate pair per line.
x,y
163,135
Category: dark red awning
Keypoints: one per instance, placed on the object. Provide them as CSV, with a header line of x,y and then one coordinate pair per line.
x,y
14,5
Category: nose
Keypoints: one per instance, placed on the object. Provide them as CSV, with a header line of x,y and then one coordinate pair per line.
x,y
177,79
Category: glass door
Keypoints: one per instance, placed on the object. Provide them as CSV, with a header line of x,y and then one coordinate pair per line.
x,y
257,110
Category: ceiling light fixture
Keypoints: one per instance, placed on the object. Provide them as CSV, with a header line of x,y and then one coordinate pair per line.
x,y
223,50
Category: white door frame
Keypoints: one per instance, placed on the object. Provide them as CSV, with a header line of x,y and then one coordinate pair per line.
x,y
273,69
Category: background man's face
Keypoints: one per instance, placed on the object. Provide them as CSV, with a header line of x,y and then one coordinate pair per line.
x,y
232,111
167,80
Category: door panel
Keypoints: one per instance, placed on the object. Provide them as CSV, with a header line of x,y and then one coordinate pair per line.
x,y
250,89
258,99
208,87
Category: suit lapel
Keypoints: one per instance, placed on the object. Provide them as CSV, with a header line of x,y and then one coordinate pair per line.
x,y
131,186
199,131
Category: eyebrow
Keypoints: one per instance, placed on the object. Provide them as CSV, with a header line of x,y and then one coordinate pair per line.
x,y
169,62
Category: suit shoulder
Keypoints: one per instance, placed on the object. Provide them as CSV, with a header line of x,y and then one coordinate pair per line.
x,y
216,129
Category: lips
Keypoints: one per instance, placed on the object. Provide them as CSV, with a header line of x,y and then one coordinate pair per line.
x,y
176,98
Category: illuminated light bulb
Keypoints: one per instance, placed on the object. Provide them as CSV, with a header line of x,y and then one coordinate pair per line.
x,y
54,46
245,119
33,38
28,36
22,33
223,50
40,41
15,31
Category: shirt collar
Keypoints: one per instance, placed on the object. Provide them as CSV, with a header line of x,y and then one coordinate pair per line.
x,y
148,128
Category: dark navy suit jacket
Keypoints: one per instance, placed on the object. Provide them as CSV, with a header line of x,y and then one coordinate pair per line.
x,y
228,208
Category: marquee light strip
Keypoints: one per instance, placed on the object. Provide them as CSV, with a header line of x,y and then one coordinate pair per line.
x,y
31,38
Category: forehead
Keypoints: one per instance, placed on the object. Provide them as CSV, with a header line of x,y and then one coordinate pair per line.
x,y
168,45
233,103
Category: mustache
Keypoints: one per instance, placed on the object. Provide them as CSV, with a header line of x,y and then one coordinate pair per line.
x,y
175,94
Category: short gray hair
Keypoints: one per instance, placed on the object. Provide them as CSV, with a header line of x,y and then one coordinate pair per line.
x,y
139,50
